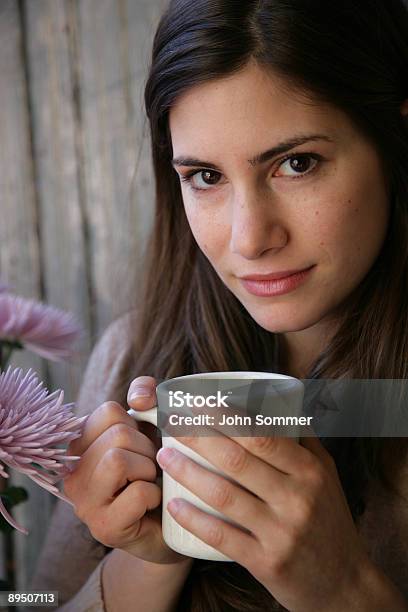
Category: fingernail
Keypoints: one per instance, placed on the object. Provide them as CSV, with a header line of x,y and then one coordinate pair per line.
x,y
164,456
175,504
140,392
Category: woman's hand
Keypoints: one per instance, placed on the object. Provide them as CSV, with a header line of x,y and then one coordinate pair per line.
x,y
113,484
303,546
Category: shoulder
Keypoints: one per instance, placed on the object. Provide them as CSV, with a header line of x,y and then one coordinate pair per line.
x,y
118,329
107,364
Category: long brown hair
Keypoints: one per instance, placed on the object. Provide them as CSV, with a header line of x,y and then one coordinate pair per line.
x,y
353,55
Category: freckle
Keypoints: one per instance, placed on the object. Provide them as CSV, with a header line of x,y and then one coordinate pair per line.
x,y
316,212
322,244
349,201
356,209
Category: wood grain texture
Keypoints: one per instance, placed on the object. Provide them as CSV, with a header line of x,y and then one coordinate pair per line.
x,y
57,157
116,164
20,261
76,179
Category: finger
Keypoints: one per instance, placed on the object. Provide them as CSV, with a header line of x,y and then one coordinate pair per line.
x,y
135,501
228,539
285,455
106,415
118,436
241,466
115,471
236,503
142,396
282,453
130,509
142,393
125,517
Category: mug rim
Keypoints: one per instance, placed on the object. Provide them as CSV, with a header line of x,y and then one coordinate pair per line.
x,y
261,375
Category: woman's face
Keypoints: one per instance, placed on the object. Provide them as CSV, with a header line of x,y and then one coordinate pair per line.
x,y
322,203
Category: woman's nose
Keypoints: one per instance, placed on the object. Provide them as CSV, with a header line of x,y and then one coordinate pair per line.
x,y
254,230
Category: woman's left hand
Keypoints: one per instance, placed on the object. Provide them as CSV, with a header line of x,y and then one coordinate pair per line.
x,y
303,546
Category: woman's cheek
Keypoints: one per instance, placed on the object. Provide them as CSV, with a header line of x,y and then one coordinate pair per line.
x,y
210,242
208,230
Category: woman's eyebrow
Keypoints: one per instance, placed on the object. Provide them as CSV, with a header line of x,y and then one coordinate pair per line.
x,y
281,147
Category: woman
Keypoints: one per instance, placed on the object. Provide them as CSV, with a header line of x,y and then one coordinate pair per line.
x,y
280,143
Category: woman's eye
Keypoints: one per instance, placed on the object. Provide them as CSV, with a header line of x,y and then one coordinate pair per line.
x,y
300,163
201,180
297,164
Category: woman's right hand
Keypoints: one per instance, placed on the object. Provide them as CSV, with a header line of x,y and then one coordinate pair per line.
x,y
113,485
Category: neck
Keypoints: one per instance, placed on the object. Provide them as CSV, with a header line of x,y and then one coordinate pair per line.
x,y
298,350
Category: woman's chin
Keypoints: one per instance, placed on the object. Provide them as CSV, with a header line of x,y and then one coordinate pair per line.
x,y
278,322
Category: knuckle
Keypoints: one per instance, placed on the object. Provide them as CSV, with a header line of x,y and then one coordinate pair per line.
x,y
305,509
262,566
278,565
116,460
121,434
141,493
235,459
108,410
215,536
221,496
265,445
139,489
316,477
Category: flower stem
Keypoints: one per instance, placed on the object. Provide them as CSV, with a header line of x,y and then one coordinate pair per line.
x,y
6,349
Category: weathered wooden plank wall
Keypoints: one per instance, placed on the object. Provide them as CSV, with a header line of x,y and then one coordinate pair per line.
x,y
76,187
19,240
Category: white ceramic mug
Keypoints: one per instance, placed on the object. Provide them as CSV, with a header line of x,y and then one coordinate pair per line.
x,y
175,536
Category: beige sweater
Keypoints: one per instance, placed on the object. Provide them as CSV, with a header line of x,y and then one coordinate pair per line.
x,y
71,560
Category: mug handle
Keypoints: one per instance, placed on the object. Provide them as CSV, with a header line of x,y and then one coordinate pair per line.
x,y
150,416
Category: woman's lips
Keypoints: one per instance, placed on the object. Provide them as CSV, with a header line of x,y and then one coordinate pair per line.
x,y
279,286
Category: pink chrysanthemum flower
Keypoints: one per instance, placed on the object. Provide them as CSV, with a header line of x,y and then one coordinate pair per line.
x,y
45,330
32,423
